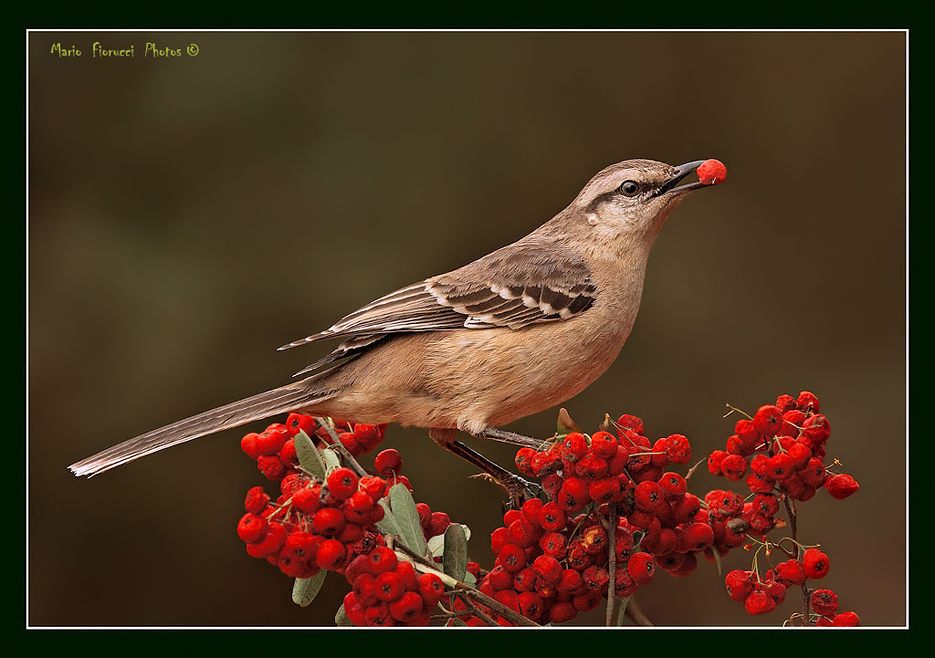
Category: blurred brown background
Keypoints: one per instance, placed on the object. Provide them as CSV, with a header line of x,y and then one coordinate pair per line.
x,y
190,214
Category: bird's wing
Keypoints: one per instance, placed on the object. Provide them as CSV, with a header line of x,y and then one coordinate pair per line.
x,y
513,287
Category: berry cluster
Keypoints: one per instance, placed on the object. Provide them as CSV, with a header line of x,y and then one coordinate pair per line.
x,y
553,557
783,448
389,592
331,524
274,448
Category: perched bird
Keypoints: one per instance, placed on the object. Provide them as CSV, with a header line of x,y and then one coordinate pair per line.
x,y
515,332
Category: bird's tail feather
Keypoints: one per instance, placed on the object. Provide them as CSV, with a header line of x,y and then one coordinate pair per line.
x,y
263,405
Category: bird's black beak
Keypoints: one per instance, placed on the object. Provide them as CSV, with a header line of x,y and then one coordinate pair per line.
x,y
681,172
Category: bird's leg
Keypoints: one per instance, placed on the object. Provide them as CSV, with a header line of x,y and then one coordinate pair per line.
x,y
503,436
519,489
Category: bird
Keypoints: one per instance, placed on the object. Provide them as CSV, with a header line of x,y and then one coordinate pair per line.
x,y
513,333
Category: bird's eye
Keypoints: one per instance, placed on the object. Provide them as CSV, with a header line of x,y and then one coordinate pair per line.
x,y
629,188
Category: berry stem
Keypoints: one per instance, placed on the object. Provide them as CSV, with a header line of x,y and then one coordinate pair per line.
x,y
739,411
611,565
480,613
339,447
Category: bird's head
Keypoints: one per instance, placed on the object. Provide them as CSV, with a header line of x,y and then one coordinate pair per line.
x,y
631,200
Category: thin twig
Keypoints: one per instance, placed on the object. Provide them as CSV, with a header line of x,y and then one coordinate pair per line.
x,y
480,613
636,615
612,566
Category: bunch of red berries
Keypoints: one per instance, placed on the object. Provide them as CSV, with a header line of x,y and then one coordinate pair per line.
x,y
388,591
553,557
274,448
783,446
314,525
331,524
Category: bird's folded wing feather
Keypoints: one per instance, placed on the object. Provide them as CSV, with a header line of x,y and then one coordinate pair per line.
x,y
513,287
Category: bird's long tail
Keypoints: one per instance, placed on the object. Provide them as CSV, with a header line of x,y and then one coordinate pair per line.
x,y
279,400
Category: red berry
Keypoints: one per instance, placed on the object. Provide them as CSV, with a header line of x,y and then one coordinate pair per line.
x,y
330,554
358,508
678,449
307,500
768,420
378,615
431,588
697,537
641,567
604,444
512,558
648,496
249,446
673,485
780,466
791,571
368,436
711,172
554,545
388,462
552,517
574,494
841,486
846,619
816,563
548,568
300,422
817,428
807,402
734,467
628,422
328,521
604,490
524,457
407,607
271,467
438,524
381,560
301,545
531,605
814,473
574,447
342,482
824,601
389,586
759,602
256,500
716,461
271,440
785,403
374,486
252,528
739,584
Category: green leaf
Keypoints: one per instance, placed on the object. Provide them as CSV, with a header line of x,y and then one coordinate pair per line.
x,y
454,561
341,618
406,517
332,461
622,613
436,544
309,457
457,622
717,559
306,589
388,525
470,579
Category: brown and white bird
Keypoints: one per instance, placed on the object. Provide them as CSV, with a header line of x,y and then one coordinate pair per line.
x,y
515,332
